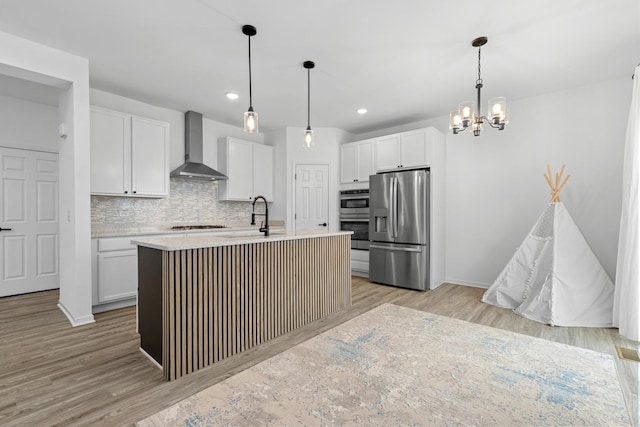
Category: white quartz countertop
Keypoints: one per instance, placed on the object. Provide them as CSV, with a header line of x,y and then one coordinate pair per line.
x,y
194,241
126,230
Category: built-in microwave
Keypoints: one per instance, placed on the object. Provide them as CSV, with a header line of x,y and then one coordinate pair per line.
x,y
354,202
354,216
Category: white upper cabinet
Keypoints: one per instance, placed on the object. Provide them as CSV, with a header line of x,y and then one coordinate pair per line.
x,y
404,150
110,148
129,155
263,171
357,161
249,168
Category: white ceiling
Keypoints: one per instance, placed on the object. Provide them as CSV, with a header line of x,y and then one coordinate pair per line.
x,y
404,60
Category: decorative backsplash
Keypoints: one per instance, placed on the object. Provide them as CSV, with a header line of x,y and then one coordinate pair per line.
x,y
189,202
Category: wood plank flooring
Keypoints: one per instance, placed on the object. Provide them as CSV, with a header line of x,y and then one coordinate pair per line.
x,y
94,375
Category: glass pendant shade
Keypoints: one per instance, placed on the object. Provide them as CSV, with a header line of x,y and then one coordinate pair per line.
x,y
476,127
467,110
251,121
498,110
308,137
455,121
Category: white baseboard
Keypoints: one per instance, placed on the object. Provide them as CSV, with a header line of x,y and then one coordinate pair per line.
x,y
99,308
468,283
84,320
360,273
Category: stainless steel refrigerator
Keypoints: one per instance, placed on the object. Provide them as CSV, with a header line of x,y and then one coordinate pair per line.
x,y
399,229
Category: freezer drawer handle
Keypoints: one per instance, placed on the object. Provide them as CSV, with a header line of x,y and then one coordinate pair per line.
x,y
390,248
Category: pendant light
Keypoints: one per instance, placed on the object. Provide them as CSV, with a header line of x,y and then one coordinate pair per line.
x,y
466,116
250,116
308,133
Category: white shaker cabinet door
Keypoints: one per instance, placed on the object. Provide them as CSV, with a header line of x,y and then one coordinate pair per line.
x,y
414,150
263,171
348,163
240,170
365,159
149,157
388,152
117,275
110,148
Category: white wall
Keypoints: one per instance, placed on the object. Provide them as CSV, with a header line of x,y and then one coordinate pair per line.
x,y
495,186
28,125
31,61
325,151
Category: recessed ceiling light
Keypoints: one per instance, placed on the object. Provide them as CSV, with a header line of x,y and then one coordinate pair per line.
x,y
361,111
232,95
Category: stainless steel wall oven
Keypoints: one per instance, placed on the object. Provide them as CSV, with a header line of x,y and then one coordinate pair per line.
x,y
354,216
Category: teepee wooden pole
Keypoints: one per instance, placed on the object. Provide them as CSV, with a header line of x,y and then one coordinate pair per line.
x,y
559,184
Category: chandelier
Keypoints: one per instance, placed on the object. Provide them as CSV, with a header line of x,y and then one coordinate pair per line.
x,y
467,116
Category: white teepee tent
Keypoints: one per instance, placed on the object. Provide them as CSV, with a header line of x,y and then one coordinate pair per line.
x,y
554,276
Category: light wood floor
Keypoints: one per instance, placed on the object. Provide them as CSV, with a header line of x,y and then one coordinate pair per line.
x,y
53,374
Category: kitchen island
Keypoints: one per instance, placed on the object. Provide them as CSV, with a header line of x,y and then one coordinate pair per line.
x,y
204,298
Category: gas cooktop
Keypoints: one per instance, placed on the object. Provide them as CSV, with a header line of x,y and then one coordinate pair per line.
x,y
196,227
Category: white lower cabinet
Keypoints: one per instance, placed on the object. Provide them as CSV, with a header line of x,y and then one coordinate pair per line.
x,y
360,262
114,269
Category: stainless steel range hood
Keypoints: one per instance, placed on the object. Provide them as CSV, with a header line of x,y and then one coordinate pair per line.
x,y
193,168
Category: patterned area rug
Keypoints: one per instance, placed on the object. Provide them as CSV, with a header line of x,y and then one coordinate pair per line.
x,y
398,366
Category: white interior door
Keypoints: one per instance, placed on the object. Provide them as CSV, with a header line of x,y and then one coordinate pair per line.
x,y
312,197
28,221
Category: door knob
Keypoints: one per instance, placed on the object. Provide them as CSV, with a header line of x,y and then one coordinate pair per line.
x,y
5,229
324,224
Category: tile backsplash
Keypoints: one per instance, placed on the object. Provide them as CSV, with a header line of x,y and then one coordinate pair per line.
x,y
189,202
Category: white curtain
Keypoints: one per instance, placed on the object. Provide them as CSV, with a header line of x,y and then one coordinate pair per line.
x,y
626,306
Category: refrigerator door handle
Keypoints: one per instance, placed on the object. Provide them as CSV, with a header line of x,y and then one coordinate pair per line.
x,y
392,248
391,213
395,207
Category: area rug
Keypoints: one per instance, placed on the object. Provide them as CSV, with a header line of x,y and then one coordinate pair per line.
x,y
398,366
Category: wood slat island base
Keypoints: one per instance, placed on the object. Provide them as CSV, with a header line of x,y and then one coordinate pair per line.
x,y
201,300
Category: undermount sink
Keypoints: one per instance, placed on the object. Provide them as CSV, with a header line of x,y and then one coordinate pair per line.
x,y
197,227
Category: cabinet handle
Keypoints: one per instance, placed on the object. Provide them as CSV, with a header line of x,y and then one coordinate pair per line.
x,y
324,224
5,229
134,191
126,192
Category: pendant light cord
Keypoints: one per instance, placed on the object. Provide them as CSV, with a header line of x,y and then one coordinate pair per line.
x,y
250,98
308,97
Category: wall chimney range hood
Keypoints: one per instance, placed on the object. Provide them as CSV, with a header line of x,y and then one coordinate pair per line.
x,y
193,168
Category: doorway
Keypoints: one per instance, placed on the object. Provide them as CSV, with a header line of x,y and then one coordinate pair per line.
x,y
311,197
29,239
